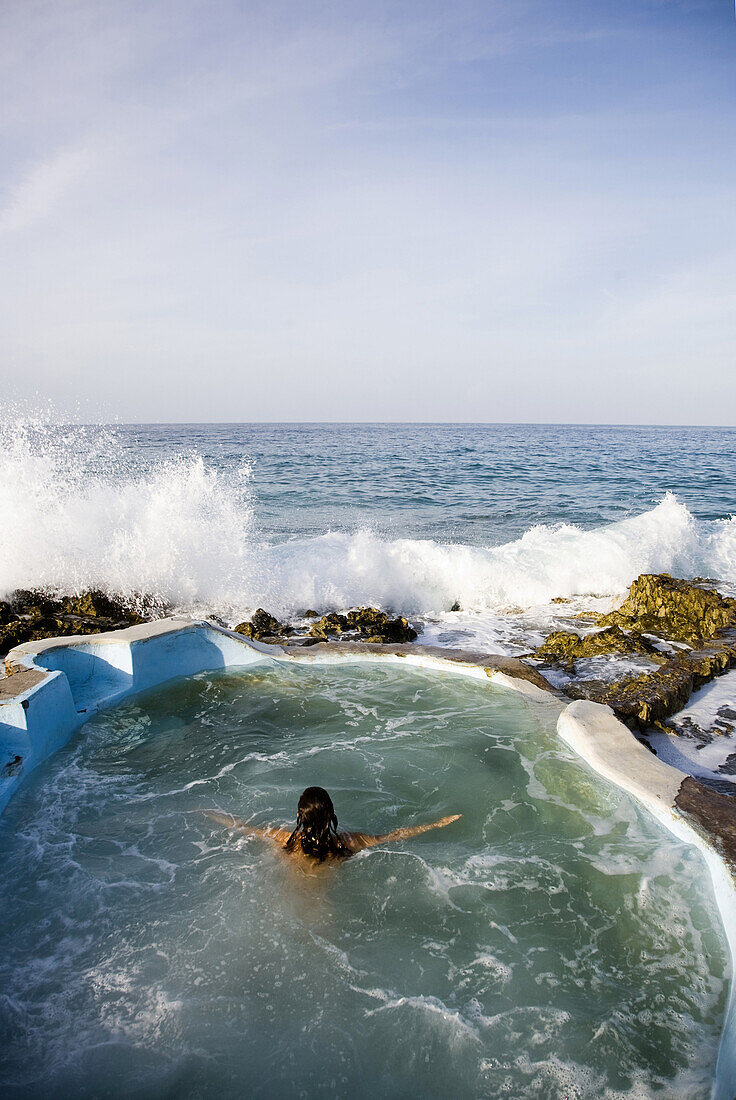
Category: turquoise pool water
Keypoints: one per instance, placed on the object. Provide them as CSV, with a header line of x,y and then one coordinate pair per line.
x,y
554,942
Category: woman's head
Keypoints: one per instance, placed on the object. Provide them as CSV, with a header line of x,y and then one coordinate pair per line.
x,y
316,826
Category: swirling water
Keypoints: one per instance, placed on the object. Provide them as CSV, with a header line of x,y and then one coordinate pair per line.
x,y
554,942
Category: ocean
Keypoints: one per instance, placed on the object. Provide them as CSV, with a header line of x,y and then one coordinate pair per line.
x,y
414,518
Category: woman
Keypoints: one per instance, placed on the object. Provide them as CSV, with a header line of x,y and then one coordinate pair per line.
x,y
315,836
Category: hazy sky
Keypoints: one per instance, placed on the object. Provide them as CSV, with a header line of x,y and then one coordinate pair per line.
x,y
505,210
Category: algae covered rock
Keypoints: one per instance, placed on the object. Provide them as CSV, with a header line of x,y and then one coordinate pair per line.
x,y
263,625
674,609
649,699
374,624
98,605
565,647
666,607
329,625
7,615
365,623
640,701
33,615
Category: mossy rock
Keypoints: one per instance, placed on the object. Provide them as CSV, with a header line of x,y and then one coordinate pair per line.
x,y
263,625
16,633
86,605
374,624
97,604
367,624
641,701
7,615
329,625
674,609
648,700
565,647
39,615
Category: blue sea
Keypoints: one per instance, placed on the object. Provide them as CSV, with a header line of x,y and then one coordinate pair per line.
x,y
415,518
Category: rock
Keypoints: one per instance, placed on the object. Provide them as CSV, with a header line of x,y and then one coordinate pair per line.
x,y
560,599
713,815
16,633
456,606
673,609
329,625
310,614
648,700
372,623
7,615
366,624
564,646
641,701
98,605
263,625
39,615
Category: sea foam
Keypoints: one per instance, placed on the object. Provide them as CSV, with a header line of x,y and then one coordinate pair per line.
x,y
78,514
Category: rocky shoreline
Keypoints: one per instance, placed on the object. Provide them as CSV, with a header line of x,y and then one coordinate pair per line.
x,y
683,632
687,628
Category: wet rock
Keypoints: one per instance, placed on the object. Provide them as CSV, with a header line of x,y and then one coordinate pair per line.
x,y
641,701
16,633
649,699
565,647
376,625
713,815
263,625
92,605
7,615
673,609
364,623
38,615
329,626
310,614
456,606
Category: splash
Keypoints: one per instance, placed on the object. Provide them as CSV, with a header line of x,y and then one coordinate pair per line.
x,y
79,513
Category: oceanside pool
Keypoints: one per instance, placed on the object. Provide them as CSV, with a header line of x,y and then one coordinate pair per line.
x,y
555,942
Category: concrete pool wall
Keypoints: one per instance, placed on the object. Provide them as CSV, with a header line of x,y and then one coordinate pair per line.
x,y
53,686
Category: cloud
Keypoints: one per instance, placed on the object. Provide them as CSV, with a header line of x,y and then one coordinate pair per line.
x,y
35,197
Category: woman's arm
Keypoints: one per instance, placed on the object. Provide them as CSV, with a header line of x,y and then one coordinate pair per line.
x,y
358,841
235,823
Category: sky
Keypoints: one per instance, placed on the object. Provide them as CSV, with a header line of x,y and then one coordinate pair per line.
x,y
509,210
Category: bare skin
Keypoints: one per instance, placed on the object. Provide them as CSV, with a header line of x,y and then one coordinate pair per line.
x,y
356,842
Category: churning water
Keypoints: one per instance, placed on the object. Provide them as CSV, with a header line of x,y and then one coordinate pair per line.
x,y
554,942
416,518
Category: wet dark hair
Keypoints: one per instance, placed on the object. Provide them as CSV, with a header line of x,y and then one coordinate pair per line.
x,y
316,826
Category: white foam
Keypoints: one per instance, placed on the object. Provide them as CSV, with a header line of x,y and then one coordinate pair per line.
x,y
76,516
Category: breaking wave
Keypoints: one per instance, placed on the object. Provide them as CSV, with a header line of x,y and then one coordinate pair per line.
x,y
77,513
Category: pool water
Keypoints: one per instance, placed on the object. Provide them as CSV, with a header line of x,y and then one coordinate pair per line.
x,y
555,942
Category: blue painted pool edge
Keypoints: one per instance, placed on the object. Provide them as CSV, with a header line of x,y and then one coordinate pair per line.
x,y
78,676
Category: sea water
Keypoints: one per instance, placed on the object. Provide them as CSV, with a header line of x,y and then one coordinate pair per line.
x,y
499,520
553,942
